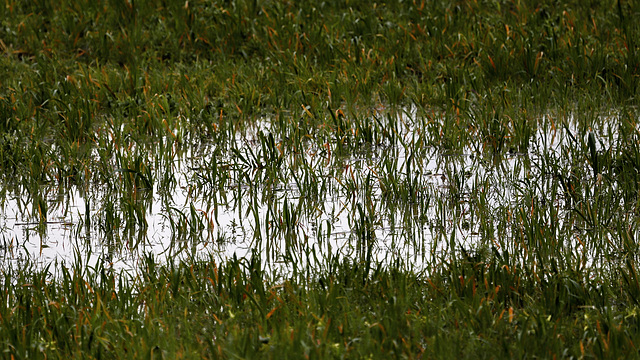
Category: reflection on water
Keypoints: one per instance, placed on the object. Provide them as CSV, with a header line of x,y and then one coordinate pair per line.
x,y
403,200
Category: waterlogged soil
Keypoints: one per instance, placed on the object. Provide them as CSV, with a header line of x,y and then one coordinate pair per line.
x,y
404,203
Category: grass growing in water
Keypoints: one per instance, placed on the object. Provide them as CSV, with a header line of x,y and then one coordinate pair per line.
x,y
200,309
512,181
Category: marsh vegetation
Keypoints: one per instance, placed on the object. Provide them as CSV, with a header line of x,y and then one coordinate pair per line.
x,y
274,179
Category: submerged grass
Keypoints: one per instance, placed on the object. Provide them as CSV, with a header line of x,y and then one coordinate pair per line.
x,y
493,144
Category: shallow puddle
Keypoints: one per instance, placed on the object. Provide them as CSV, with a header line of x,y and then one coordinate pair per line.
x,y
402,202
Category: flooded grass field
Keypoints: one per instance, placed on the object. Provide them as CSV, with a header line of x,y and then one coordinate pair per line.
x,y
272,179
300,209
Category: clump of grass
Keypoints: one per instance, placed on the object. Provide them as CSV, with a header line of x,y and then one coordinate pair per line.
x,y
468,305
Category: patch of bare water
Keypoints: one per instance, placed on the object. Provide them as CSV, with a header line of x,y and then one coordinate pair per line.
x,y
356,215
